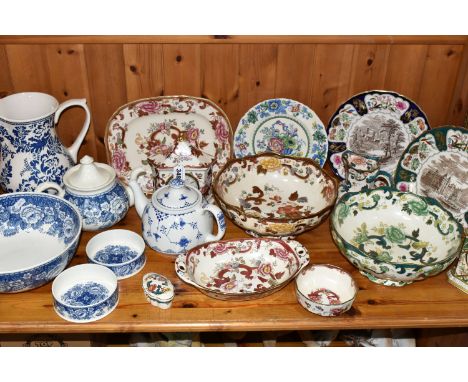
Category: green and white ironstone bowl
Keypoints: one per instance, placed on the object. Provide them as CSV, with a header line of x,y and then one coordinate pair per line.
x,y
395,237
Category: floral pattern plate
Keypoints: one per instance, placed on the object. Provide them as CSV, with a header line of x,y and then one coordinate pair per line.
x,y
436,165
281,126
377,123
147,130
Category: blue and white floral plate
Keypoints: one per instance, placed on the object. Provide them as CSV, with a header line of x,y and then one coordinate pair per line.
x,y
281,126
85,293
39,234
120,250
374,123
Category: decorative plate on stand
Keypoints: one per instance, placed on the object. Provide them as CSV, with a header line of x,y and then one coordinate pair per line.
x,y
377,123
147,130
281,126
436,165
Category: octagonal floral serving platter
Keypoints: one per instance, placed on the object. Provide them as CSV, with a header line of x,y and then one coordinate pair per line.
x,y
146,131
281,126
436,165
374,123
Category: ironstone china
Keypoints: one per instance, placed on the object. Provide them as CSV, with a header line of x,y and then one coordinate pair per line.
x,y
85,293
325,289
458,275
395,237
284,127
436,165
376,122
242,269
31,152
39,235
158,290
120,250
272,195
146,131
93,187
177,217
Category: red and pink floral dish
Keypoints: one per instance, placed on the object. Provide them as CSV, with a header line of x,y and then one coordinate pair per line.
x,y
325,289
242,269
146,131
276,196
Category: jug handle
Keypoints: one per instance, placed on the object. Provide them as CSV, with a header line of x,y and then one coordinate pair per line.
x,y
218,215
50,185
73,149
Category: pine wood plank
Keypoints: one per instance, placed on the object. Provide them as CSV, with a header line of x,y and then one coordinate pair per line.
x,y
458,110
234,39
429,303
6,86
182,69
438,81
107,89
220,78
257,74
143,70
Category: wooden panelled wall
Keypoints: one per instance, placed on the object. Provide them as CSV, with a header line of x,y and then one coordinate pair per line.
x,y
234,71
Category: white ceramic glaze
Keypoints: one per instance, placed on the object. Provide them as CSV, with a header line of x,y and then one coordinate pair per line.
x,y
242,269
395,237
85,293
271,195
39,234
146,131
93,187
31,151
177,218
158,290
325,289
120,250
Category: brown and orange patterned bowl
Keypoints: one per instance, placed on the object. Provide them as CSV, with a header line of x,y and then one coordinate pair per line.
x,y
276,196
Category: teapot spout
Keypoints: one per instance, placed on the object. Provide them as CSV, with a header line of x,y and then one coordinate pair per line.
x,y
141,201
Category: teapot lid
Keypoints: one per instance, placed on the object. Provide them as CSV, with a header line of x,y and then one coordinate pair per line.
x,y
89,175
177,195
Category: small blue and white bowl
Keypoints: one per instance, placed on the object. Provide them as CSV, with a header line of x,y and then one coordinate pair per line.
x,y
39,234
85,293
120,250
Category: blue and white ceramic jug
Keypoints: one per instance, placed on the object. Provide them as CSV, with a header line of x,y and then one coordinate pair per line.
x,y
177,218
30,151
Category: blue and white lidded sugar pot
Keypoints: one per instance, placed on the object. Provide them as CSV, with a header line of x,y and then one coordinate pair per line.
x,y
177,218
94,188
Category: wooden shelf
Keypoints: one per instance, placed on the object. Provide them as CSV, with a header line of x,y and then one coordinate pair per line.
x,y
425,304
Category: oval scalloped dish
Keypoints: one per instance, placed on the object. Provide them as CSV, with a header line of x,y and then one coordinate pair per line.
x,y
243,268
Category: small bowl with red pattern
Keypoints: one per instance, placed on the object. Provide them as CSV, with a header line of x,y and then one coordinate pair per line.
x,y
325,289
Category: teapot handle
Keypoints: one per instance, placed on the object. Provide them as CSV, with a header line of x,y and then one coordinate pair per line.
x,y
73,149
218,215
50,185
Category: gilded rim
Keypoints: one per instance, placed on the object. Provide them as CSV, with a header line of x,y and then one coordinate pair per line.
x,y
240,211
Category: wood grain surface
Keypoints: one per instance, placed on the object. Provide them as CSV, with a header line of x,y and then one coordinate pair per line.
x,y
424,304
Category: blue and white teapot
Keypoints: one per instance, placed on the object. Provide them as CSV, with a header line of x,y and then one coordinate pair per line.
x,y
177,218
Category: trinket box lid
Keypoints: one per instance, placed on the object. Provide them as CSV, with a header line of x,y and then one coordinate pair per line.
x,y
177,195
158,287
89,175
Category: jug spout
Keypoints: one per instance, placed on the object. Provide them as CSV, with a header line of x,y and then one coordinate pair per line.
x,y
141,201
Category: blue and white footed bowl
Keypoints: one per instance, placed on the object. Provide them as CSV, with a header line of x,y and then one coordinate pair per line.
x,y
85,293
120,250
39,234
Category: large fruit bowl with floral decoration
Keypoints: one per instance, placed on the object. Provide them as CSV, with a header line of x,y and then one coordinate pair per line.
x,y
276,196
395,237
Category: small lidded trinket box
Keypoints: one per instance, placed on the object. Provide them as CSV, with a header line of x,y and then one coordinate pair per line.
x,y
159,290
